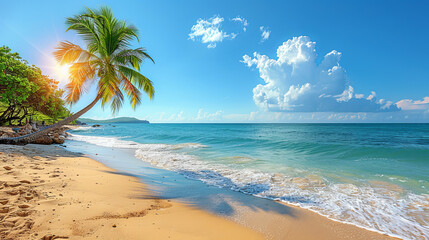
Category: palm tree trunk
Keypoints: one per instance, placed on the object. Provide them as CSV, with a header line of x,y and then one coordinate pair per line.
x,y
33,136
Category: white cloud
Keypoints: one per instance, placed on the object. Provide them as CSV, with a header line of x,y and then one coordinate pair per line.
x,y
211,45
209,31
408,104
328,117
265,33
294,82
180,117
176,117
241,20
371,96
161,115
359,96
206,116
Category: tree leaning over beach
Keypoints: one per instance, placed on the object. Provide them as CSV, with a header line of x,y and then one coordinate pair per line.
x,y
108,61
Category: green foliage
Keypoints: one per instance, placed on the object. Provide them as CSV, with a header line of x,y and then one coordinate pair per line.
x,y
15,86
25,92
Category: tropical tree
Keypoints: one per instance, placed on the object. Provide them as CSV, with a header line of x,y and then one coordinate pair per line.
x,y
108,61
15,86
25,91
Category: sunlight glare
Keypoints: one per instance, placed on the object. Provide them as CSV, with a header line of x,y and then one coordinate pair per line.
x,y
62,71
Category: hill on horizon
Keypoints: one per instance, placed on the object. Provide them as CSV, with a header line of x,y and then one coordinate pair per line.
x,y
113,120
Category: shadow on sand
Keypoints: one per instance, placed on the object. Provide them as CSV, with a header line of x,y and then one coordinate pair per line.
x,y
214,199
166,184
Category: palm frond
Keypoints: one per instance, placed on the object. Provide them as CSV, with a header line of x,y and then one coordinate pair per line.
x,y
68,52
117,102
81,71
108,86
74,91
84,26
132,91
131,57
139,80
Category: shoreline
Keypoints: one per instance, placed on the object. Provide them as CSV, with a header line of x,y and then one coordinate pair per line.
x,y
124,145
260,224
65,194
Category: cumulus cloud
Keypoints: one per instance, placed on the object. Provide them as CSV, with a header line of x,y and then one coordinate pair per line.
x,y
241,20
265,33
295,82
209,31
408,104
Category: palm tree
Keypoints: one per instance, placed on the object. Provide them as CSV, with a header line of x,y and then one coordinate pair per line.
x,y
109,61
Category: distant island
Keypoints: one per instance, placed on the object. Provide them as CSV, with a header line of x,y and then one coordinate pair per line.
x,y
113,120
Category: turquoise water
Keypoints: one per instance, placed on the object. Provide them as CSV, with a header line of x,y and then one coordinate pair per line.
x,y
372,175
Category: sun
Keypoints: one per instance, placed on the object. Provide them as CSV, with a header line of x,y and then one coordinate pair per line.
x,y
62,71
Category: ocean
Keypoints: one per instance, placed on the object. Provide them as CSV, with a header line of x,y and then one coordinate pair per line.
x,y
375,176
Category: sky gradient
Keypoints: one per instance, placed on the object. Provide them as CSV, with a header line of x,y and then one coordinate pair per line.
x,y
253,61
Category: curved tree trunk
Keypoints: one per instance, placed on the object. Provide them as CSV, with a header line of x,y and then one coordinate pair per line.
x,y
33,136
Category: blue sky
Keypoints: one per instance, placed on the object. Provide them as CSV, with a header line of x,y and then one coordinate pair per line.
x,y
295,76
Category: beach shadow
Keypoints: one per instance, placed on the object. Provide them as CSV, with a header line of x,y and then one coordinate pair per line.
x,y
217,200
188,187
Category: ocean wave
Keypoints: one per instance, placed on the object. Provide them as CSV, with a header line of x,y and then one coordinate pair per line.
x,y
376,206
117,142
104,141
82,128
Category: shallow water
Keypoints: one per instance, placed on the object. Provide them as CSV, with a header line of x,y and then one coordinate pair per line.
x,y
371,175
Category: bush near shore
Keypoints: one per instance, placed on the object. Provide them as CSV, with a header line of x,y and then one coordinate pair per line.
x,y
25,93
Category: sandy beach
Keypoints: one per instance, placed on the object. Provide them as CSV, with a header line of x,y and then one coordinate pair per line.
x,y
47,192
